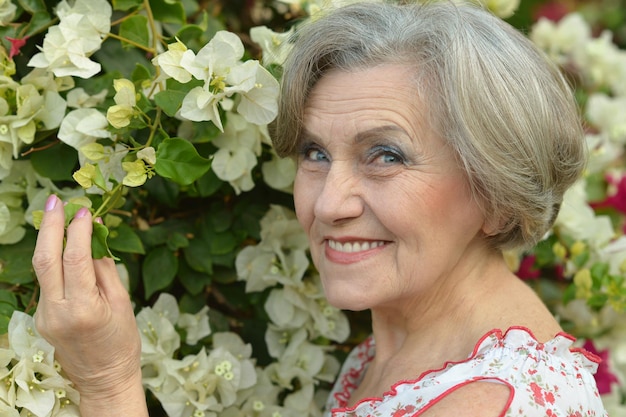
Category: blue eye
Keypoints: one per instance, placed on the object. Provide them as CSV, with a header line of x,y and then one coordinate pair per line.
x,y
390,158
387,155
314,153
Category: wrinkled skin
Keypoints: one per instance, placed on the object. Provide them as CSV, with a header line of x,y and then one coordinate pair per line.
x,y
85,312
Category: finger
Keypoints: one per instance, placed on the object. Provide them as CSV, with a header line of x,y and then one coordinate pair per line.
x,y
109,282
48,251
80,278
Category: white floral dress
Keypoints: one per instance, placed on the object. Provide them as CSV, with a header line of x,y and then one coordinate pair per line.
x,y
552,379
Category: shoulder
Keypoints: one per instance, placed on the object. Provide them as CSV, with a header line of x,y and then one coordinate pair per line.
x,y
472,399
508,373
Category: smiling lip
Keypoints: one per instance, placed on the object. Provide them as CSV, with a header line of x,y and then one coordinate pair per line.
x,y
352,251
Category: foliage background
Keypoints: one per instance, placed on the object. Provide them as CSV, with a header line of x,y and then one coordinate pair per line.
x,y
183,237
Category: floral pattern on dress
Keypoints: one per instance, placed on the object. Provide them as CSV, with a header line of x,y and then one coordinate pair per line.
x,y
551,379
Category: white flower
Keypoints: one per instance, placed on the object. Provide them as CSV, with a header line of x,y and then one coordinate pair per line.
x,y
239,146
602,63
280,228
578,221
6,159
7,12
502,8
109,161
67,46
615,255
196,325
274,45
560,40
11,224
19,121
78,98
34,372
284,308
279,173
81,127
259,104
169,62
300,359
159,339
147,154
219,65
609,115
602,152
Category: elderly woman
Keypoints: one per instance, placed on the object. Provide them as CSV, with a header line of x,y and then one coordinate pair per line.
x,y
428,138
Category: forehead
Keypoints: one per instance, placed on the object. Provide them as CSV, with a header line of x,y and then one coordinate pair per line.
x,y
345,102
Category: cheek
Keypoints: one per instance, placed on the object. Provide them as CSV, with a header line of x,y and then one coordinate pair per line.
x,y
303,199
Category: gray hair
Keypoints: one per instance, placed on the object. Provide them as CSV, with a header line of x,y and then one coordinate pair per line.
x,y
501,105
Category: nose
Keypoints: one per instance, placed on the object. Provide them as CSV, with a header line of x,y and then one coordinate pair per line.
x,y
341,196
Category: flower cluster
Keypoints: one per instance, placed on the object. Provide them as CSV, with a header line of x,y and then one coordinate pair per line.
x,y
587,242
31,381
157,121
68,45
296,307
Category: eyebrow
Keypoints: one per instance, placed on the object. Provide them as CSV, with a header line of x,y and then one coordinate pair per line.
x,y
360,136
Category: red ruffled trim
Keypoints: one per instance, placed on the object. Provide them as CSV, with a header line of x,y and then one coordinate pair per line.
x,y
347,383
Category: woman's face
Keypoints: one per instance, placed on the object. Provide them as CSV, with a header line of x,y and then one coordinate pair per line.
x,y
387,210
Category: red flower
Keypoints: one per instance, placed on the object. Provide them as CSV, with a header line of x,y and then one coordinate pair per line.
x,y
549,397
16,45
604,377
403,411
553,10
526,270
537,393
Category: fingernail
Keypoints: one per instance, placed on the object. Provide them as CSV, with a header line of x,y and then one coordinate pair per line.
x,y
51,202
99,220
82,212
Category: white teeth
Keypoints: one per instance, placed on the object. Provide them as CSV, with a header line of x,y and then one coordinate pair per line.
x,y
352,247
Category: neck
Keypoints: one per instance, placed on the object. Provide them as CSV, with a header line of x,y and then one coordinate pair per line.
x,y
448,320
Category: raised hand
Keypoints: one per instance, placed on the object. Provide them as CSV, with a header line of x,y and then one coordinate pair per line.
x,y
85,312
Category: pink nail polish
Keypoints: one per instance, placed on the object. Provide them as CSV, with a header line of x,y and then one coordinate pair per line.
x,y
51,202
82,212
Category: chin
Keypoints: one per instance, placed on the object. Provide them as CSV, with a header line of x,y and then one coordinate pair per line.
x,y
344,300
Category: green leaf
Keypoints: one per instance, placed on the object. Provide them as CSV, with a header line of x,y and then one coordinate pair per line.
x,y
179,161
16,260
124,239
159,269
4,324
168,11
125,5
56,162
193,281
598,271
223,243
136,29
114,67
169,101
33,6
220,218
140,74
39,21
197,256
164,191
176,241
99,247
8,298
208,184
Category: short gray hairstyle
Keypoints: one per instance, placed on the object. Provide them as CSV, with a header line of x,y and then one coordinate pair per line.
x,y
506,110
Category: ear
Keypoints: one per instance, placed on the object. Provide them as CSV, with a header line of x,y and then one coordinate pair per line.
x,y
491,226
